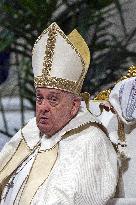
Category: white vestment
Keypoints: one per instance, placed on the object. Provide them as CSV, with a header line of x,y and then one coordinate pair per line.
x,y
123,99
85,171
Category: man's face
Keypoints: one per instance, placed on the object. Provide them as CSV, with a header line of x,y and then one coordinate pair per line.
x,y
54,109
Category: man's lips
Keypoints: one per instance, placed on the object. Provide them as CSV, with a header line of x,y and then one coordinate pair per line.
x,y
43,119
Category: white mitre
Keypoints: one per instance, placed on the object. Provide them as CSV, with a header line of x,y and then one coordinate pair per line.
x,y
60,61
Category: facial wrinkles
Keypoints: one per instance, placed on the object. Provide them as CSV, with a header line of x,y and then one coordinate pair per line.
x,y
56,113
45,104
48,110
44,120
42,111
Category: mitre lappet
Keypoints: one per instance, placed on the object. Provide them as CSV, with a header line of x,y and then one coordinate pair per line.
x,y
60,61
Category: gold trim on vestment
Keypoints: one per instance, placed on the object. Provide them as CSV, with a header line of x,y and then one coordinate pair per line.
x,y
25,180
22,135
48,173
83,127
3,167
20,154
39,172
19,191
27,177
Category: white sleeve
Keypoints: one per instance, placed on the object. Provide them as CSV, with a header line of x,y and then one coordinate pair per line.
x,y
99,173
9,149
11,146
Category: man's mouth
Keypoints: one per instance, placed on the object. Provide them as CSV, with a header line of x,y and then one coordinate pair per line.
x,y
43,119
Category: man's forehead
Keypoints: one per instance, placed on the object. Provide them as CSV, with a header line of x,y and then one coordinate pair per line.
x,y
49,91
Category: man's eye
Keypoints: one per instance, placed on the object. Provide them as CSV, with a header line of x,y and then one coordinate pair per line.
x,y
54,99
39,98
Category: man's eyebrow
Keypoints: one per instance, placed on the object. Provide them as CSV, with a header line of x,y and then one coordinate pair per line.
x,y
50,93
37,91
54,93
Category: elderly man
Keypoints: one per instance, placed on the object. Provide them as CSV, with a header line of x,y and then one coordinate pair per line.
x,y
62,157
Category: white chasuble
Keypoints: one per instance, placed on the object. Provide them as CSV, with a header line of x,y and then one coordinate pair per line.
x,y
81,170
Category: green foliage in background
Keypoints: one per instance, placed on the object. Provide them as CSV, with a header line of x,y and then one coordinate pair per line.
x,y
22,21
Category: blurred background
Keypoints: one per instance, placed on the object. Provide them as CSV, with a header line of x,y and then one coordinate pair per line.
x,y
108,26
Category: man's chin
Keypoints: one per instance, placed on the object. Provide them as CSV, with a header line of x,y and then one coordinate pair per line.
x,y
44,129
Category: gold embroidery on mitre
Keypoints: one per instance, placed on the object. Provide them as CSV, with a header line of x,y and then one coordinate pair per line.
x,y
49,52
45,80
58,83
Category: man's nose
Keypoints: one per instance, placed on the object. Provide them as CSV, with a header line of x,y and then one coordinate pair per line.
x,y
45,106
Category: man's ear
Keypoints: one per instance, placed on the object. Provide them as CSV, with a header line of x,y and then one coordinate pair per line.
x,y
76,106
